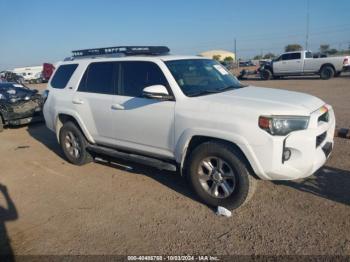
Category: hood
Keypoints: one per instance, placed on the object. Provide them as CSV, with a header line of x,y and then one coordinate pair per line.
x,y
16,93
268,100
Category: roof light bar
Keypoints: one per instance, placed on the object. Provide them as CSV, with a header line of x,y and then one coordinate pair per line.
x,y
126,50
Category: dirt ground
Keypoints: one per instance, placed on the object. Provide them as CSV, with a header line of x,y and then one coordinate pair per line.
x,y
58,208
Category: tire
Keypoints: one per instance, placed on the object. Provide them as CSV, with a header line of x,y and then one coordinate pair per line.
x,y
327,72
240,184
265,74
74,144
1,124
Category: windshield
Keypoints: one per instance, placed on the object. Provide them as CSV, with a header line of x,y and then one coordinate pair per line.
x,y
202,76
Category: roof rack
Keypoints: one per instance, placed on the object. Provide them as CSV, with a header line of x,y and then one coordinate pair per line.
x,y
125,50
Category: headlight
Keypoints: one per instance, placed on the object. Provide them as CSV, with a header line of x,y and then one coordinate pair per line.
x,y
283,125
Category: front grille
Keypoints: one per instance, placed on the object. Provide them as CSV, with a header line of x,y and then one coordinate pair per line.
x,y
324,117
320,139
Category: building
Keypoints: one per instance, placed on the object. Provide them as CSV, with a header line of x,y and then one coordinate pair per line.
x,y
222,54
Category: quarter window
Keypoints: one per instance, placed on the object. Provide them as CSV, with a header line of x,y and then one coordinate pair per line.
x,y
135,76
99,78
62,75
308,55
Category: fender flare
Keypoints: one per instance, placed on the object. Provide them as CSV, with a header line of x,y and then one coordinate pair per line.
x,y
75,116
186,137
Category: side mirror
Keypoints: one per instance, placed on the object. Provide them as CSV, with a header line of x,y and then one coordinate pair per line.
x,y
156,92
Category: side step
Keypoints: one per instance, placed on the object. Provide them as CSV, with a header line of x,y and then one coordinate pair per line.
x,y
149,161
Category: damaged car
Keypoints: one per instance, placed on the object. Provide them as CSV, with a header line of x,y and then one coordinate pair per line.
x,y
19,105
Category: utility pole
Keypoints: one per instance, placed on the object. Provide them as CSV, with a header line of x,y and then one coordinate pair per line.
x,y
307,24
236,53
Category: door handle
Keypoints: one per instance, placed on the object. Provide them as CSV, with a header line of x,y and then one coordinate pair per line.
x,y
117,107
78,101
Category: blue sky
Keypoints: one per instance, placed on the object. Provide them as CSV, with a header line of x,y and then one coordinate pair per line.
x,y
38,31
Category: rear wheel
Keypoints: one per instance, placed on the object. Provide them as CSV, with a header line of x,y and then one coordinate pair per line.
x,y
1,124
219,176
265,74
74,144
327,72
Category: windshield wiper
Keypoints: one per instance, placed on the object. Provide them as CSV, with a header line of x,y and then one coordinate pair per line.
x,y
215,91
203,92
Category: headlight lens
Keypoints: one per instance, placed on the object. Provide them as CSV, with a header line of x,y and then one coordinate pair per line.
x,y
283,125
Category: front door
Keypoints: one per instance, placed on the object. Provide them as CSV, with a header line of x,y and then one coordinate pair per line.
x,y
140,123
290,63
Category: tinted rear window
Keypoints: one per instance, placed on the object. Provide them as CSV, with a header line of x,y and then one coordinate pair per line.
x,y
99,78
62,75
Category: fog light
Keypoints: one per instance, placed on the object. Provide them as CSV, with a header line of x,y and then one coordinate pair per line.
x,y
286,154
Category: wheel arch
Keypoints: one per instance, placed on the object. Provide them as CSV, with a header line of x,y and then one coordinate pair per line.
x,y
327,64
195,140
66,117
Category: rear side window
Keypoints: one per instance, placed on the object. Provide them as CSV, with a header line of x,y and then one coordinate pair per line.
x,y
99,78
62,75
135,76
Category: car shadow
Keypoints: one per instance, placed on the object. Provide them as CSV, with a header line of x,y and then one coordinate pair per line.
x,y
329,183
6,214
45,136
172,180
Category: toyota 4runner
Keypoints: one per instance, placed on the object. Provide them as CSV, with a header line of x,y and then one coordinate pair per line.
x,y
189,114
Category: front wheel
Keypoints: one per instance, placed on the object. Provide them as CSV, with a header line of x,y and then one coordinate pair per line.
x,y
74,144
219,176
265,74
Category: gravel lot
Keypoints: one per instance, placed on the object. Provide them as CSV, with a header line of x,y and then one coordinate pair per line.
x,y
60,209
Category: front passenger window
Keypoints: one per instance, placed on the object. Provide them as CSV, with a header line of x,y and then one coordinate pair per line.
x,y
136,75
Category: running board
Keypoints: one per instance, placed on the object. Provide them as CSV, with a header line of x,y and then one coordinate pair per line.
x,y
149,161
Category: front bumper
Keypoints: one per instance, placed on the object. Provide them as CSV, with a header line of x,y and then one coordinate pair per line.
x,y
309,149
22,113
36,118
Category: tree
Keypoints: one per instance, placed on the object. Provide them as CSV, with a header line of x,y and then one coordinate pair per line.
x,y
293,47
217,57
324,48
332,51
258,57
269,56
228,59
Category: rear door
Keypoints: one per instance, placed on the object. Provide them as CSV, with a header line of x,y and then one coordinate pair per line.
x,y
139,123
93,100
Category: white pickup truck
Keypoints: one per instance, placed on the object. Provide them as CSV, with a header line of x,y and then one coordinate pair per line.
x,y
302,63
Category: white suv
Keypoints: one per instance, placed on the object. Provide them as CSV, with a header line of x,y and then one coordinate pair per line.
x,y
189,114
